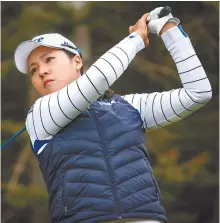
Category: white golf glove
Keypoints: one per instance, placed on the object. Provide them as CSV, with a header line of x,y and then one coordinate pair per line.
x,y
156,24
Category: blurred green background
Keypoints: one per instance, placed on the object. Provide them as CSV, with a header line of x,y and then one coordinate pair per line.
x,y
185,155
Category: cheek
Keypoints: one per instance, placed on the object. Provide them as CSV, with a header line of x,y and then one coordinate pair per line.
x,y
37,84
34,81
65,71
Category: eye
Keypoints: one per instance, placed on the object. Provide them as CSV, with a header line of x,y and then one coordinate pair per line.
x,y
48,59
33,70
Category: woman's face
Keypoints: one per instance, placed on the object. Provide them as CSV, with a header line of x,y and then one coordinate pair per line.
x,y
51,69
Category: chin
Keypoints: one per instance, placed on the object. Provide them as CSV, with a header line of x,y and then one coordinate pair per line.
x,y
47,91
53,89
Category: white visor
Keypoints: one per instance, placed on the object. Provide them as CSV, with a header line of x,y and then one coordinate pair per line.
x,y
52,40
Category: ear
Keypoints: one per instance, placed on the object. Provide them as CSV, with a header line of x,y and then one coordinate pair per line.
x,y
78,61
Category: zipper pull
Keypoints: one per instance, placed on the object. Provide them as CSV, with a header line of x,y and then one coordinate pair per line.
x,y
65,208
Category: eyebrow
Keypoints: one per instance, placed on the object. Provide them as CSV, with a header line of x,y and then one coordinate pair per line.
x,y
40,58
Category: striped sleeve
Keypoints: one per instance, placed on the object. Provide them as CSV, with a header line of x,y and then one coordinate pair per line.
x,y
160,109
52,112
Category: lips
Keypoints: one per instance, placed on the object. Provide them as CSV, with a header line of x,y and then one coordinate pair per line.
x,y
47,81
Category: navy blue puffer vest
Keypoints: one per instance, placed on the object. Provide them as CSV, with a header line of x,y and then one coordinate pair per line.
x,y
97,169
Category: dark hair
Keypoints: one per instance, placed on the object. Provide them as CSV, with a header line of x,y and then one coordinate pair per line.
x,y
108,93
71,55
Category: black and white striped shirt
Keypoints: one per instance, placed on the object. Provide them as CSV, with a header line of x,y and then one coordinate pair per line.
x,y
54,111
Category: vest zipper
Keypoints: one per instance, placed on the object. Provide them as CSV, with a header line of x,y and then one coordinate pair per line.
x,y
110,172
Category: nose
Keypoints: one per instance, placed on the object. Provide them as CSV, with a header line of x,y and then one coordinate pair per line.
x,y
43,70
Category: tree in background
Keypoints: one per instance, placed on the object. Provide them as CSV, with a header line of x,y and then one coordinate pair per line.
x,y
184,155
25,189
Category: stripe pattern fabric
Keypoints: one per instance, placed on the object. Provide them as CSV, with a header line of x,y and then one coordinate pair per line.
x,y
53,112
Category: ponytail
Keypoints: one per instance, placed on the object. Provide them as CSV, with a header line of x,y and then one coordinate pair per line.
x,y
108,93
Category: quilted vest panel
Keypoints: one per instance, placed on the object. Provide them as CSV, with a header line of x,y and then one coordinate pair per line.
x,y
97,168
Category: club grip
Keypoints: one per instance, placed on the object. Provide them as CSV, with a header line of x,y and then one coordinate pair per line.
x,y
165,11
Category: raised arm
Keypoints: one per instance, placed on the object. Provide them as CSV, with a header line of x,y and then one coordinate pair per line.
x,y
161,109
54,111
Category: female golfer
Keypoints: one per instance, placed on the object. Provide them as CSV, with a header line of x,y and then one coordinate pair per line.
x,y
91,148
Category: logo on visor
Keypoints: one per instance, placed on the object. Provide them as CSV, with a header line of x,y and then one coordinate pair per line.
x,y
39,39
